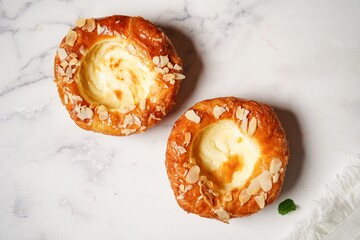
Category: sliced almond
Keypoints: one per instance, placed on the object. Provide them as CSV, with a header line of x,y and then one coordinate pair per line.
x,y
187,138
103,113
260,201
100,29
281,170
156,60
193,175
70,38
218,111
80,22
170,65
244,196
62,54
68,72
137,120
127,131
64,64
181,196
239,112
244,124
265,181
73,61
142,104
179,76
60,71
159,70
84,112
168,77
252,126
254,187
192,116
177,67
180,149
228,197
275,165
164,60
82,50
188,188
166,69
275,178
89,25
222,214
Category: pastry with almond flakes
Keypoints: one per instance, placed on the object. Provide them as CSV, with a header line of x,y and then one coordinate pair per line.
x,y
117,75
226,158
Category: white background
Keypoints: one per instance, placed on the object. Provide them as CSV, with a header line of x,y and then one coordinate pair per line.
x,y
58,181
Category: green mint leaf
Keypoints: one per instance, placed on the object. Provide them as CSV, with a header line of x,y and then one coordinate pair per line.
x,y
286,206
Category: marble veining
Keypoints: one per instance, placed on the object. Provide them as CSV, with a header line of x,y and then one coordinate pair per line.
x,y
60,182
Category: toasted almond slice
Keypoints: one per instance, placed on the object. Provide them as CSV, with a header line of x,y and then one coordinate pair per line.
x,y
166,69
127,131
275,178
228,197
239,112
179,76
70,38
156,60
281,170
188,188
252,126
170,65
260,201
68,72
80,22
244,124
84,112
181,196
82,50
182,188
177,67
168,77
254,187
164,60
187,138
100,29
66,99
89,25
222,214
244,196
103,113
137,120
265,181
245,113
142,104
275,165
218,111
193,175
64,64
60,71
73,61
192,116
129,119
159,70
180,149
62,54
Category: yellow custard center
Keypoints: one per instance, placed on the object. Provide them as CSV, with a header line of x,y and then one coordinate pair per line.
x,y
225,155
110,75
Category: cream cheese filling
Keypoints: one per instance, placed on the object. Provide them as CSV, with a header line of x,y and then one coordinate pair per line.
x,y
110,75
225,155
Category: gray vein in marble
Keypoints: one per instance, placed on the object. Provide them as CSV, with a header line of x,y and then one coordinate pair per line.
x,y
27,113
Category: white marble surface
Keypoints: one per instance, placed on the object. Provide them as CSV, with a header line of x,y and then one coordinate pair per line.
x,y
58,181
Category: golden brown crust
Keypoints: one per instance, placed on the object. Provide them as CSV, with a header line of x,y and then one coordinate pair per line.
x,y
203,198
148,42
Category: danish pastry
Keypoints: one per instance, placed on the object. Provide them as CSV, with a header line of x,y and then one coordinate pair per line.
x,y
117,75
226,158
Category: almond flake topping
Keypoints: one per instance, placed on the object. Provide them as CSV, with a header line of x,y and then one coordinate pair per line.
x,y
82,50
218,111
187,138
89,25
68,72
222,214
177,67
193,175
137,120
260,201
170,65
64,64
142,104
244,196
84,112
192,116
244,124
61,71
180,149
252,126
127,131
168,77
100,29
164,60
179,76
275,165
156,60
70,38
180,197
80,22
62,54
265,181
275,178
228,197
103,113
254,187
73,61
